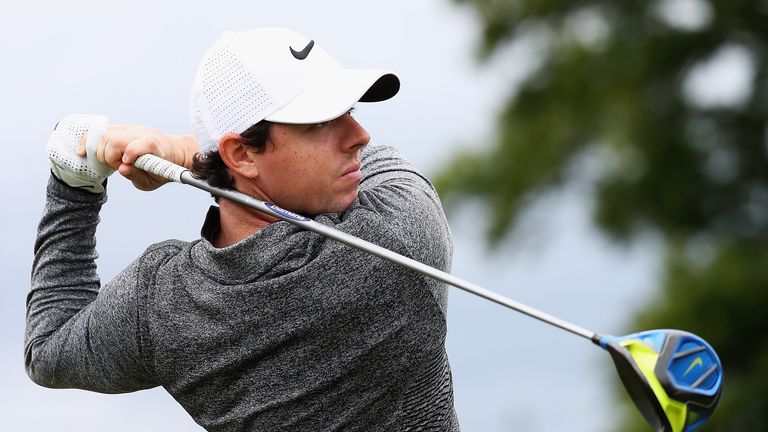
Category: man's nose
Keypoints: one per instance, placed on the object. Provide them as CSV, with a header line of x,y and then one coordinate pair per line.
x,y
356,137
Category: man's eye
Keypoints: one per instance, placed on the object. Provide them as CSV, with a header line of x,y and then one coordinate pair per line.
x,y
325,123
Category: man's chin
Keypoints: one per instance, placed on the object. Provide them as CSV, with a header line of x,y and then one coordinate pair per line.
x,y
342,205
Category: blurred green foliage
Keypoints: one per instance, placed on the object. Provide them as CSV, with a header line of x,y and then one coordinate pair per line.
x,y
669,101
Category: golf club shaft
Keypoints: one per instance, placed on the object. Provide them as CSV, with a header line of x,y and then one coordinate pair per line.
x,y
173,172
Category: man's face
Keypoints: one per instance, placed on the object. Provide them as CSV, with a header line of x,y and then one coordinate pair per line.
x,y
312,169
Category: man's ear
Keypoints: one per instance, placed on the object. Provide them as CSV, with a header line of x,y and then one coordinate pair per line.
x,y
236,155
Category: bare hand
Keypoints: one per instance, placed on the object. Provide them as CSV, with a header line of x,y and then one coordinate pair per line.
x,y
123,144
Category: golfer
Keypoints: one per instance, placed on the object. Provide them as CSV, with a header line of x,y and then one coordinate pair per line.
x,y
258,325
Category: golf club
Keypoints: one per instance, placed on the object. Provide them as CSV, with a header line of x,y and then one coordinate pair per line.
x,y
673,377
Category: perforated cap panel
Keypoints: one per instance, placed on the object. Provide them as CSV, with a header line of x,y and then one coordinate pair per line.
x,y
229,94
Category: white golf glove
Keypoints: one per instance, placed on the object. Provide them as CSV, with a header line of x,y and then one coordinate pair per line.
x,y
80,172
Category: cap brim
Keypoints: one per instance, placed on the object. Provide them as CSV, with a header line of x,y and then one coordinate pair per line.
x,y
333,95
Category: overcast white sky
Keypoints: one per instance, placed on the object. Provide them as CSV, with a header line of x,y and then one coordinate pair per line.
x,y
135,61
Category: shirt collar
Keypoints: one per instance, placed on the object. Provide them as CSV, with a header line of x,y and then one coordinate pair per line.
x,y
212,225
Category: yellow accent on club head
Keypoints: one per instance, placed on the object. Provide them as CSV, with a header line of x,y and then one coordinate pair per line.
x,y
645,358
696,362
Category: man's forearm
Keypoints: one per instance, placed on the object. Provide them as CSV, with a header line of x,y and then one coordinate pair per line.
x,y
64,278
78,335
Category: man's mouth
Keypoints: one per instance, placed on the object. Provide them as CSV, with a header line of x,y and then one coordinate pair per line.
x,y
353,173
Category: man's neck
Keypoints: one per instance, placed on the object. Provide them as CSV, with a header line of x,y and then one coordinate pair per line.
x,y
238,223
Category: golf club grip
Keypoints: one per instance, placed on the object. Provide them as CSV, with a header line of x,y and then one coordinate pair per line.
x,y
173,172
160,167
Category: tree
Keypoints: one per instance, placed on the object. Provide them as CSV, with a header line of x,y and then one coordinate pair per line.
x,y
641,87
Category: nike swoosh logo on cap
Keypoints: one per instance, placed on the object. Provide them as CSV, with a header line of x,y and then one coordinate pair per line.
x,y
301,55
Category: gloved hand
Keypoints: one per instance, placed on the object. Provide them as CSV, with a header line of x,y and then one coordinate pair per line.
x,y
79,172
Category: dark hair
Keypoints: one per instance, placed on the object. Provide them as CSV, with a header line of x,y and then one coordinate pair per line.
x,y
210,167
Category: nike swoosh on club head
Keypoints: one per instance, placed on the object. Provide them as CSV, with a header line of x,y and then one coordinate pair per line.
x,y
301,55
697,362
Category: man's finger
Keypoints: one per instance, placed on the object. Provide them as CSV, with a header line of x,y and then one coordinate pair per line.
x,y
126,170
80,150
141,146
141,179
113,155
103,142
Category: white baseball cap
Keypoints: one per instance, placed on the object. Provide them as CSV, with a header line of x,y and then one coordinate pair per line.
x,y
278,75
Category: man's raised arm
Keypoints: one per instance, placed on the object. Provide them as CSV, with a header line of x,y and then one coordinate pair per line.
x,y
77,335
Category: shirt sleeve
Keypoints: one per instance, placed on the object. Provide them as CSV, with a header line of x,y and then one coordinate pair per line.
x,y
77,335
406,200
397,199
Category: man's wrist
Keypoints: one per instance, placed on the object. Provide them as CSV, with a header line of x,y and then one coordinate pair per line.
x,y
189,147
61,189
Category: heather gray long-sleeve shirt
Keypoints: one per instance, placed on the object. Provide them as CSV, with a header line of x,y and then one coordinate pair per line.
x,y
285,330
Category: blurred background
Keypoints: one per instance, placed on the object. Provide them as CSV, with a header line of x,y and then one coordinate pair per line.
x,y
602,161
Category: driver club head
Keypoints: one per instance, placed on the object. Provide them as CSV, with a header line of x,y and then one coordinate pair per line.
x,y
673,377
